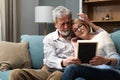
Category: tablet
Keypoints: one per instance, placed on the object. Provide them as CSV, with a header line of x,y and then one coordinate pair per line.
x,y
86,50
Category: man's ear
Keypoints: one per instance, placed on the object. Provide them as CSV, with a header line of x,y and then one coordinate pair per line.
x,y
55,25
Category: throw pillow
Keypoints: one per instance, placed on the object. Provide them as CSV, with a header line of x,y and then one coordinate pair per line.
x,y
14,55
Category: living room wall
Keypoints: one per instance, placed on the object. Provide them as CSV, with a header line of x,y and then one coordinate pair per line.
x,y
73,5
27,14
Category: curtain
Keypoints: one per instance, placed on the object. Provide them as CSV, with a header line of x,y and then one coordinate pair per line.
x,y
0,28
2,14
10,27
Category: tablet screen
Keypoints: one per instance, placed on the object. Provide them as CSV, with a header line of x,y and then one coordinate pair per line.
x,y
86,50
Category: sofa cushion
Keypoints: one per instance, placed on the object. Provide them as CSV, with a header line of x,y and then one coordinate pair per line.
x,y
4,75
35,48
14,55
116,39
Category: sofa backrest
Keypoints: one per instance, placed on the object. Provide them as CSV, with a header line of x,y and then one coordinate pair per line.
x,y
35,49
116,39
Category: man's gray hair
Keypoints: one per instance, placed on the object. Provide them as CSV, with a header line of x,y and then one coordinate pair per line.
x,y
60,12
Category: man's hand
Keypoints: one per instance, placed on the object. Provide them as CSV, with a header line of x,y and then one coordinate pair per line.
x,y
70,60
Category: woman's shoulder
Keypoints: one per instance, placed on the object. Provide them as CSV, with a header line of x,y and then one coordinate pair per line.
x,y
102,35
101,30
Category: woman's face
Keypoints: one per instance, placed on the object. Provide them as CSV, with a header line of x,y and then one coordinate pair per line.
x,y
80,30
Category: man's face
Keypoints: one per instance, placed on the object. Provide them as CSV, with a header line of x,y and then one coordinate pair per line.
x,y
63,25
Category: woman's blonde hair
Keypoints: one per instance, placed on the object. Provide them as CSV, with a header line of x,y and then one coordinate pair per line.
x,y
79,21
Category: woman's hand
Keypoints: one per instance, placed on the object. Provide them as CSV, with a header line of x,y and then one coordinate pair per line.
x,y
84,17
98,60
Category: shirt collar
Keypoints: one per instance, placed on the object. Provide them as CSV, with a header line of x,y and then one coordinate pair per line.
x,y
55,35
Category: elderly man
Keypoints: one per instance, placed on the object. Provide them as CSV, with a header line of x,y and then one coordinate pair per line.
x,y
58,50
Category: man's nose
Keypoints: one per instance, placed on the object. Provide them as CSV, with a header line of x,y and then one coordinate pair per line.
x,y
66,26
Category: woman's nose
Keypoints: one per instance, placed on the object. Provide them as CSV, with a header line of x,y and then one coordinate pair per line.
x,y
79,29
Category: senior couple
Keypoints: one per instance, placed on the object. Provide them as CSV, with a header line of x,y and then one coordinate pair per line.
x,y
60,46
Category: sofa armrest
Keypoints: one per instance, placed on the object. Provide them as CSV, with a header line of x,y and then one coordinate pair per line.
x,y
116,39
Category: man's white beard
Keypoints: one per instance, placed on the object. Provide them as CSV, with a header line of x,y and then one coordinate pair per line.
x,y
64,33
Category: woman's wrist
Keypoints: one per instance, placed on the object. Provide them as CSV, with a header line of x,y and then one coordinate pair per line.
x,y
109,61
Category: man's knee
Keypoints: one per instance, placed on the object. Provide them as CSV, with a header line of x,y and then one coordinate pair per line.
x,y
57,73
55,76
15,74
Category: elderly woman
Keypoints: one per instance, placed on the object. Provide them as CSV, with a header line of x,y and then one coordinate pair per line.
x,y
104,66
